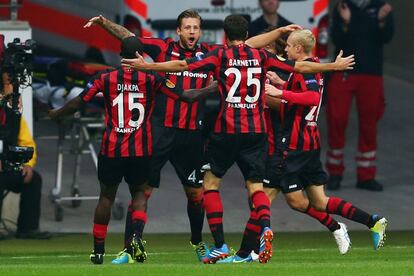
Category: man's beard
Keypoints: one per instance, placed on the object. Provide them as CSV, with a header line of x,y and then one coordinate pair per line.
x,y
361,4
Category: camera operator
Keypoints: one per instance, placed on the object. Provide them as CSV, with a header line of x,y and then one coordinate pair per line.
x,y
14,131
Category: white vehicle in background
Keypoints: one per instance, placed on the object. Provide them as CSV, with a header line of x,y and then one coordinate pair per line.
x,y
58,24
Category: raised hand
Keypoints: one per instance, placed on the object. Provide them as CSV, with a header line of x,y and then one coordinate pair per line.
x,y
97,20
136,63
344,63
290,28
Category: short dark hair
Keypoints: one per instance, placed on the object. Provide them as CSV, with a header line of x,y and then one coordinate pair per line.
x,y
129,46
235,27
188,14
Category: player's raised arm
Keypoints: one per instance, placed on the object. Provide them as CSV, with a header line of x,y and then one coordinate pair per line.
x,y
340,64
169,66
261,40
114,29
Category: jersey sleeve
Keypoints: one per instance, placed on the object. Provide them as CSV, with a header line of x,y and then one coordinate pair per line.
x,y
94,86
153,46
166,87
276,63
207,62
310,83
310,95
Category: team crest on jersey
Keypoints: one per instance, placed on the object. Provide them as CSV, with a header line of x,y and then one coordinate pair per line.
x,y
169,84
199,55
311,81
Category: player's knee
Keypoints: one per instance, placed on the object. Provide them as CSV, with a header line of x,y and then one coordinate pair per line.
x,y
319,204
107,196
194,194
211,182
271,193
106,201
297,204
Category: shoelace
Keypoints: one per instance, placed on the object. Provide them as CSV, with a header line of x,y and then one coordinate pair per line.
x,y
201,249
120,253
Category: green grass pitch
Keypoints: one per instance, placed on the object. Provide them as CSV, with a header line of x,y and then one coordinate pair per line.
x,y
308,253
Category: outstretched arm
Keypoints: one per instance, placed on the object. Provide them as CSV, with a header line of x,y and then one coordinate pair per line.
x,y
114,29
192,95
69,108
261,40
169,66
309,98
340,64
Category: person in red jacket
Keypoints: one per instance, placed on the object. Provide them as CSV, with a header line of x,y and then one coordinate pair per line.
x,y
361,27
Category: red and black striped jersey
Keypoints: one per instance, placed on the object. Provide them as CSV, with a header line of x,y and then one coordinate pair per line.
x,y
274,130
170,112
302,96
128,103
241,74
274,123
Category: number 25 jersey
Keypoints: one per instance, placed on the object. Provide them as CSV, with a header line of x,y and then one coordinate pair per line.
x,y
241,74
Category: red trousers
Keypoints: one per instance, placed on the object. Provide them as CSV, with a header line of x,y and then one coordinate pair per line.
x,y
368,91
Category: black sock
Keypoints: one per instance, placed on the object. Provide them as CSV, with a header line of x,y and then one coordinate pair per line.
x,y
251,236
128,233
195,213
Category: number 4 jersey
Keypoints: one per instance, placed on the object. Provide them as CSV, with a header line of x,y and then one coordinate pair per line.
x,y
241,74
128,103
302,97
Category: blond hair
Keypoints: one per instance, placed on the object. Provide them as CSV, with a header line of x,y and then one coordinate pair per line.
x,y
304,38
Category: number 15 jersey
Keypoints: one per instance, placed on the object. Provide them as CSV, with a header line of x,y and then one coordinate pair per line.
x,y
241,73
128,103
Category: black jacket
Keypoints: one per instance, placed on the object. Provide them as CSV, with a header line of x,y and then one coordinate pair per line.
x,y
363,37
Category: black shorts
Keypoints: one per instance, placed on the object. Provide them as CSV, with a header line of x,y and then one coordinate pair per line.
x,y
248,150
135,170
303,168
183,148
275,166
